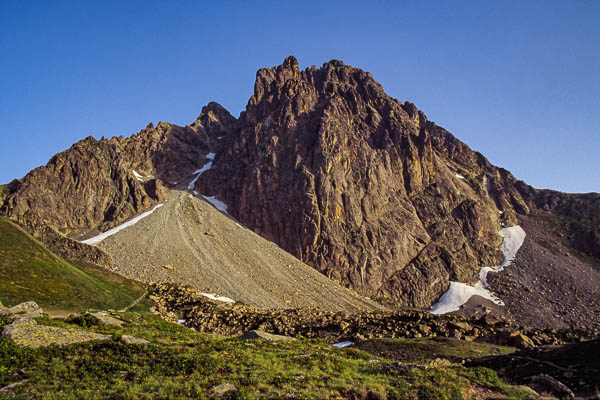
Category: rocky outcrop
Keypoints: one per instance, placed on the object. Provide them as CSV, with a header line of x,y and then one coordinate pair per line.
x,y
361,186
32,335
27,310
546,384
194,310
24,330
104,318
97,184
132,340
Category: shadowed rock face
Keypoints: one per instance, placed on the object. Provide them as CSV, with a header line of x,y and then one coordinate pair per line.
x,y
92,184
360,186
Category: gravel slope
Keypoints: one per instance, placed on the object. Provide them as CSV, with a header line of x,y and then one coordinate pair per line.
x,y
549,285
189,241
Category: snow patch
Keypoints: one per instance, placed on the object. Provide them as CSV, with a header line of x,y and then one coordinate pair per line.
x,y
198,172
342,344
211,199
206,167
513,240
459,176
459,293
138,176
181,321
216,202
216,297
110,232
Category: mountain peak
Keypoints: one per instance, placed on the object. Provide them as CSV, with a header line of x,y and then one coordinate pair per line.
x,y
324,163
377,204
215,120
290,63
337,63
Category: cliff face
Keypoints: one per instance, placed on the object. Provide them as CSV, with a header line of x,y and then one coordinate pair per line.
x,y
360,186
97,184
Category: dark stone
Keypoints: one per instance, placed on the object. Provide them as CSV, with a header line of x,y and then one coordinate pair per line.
x,y
546,384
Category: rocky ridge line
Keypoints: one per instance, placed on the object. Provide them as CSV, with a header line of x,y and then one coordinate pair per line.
x,y
98,184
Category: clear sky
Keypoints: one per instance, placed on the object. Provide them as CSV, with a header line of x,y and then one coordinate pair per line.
x,y
518,81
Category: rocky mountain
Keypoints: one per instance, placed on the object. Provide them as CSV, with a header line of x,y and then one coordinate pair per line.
x,y
97,184
360,186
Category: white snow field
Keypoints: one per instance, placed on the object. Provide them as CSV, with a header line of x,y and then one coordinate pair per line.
x,y
110,232
211,199
459,293
216,297
459,176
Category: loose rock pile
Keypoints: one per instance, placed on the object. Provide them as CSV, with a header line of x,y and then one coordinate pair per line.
x,y
205,315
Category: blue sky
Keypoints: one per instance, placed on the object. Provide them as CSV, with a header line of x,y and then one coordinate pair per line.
x,y
518,81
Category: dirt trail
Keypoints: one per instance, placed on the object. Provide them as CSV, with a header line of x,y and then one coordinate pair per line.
x,y
189,241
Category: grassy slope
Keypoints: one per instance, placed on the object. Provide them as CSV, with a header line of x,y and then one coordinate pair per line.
x,y
428,349
181,363
29,271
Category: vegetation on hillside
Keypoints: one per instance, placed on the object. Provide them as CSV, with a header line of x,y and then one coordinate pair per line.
x,y
29,271
182,363
426,349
